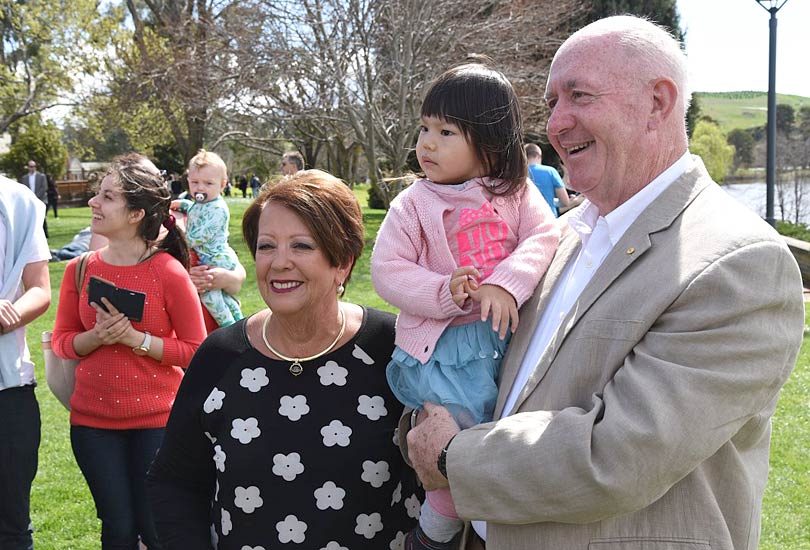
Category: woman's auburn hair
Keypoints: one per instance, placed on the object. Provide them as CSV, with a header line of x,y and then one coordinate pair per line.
x,y
325,204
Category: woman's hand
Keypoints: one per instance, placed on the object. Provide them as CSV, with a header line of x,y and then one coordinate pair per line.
x,y
112,326
460,285
500,303
9,317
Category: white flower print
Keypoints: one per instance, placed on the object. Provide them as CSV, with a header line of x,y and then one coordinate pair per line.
x,y
247,498
219,458
216,491
334,546
396,496
368,525
332,373
375,473
245,430
246,547
358,353
329,495
214,537
399,542
291,530
372,407
336,434
254,379
412,506
287,466
293,407
214,401
227,525
211,438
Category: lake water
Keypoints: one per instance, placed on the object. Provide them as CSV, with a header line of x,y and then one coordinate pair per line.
x,y
753,196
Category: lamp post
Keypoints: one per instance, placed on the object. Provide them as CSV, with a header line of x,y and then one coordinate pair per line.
x,y
771,6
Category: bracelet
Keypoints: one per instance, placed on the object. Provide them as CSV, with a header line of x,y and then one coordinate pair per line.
x,y
414,417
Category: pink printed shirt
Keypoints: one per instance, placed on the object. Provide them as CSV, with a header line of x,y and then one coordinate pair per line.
x,y
432,229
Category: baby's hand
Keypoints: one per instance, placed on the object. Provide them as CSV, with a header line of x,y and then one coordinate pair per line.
x,y
459,283
175,205
500,303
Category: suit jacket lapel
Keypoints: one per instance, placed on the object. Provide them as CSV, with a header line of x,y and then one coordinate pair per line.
x,y
658,216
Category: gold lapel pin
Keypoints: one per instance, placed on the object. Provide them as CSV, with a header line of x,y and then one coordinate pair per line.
x,y
630,250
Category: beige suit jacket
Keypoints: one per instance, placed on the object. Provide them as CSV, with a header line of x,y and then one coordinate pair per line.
x,y
646,423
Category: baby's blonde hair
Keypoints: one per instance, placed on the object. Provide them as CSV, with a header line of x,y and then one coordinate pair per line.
x,y
207,158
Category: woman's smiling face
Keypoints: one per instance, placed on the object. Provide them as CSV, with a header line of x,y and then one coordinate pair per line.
x,y
293,273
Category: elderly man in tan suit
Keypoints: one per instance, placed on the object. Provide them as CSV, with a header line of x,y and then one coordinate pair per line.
x,y
637,394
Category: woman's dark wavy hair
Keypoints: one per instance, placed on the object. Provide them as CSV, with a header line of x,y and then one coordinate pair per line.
x,y
143,188
483,104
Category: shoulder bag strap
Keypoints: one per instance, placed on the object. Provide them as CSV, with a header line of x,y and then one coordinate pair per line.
x,y
81,269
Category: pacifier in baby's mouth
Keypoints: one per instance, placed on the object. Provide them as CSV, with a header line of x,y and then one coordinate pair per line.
x,y
200,197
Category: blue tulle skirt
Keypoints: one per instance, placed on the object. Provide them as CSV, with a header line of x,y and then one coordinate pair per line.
x,y
461,374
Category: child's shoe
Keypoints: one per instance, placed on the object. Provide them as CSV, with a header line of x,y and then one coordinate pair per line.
x,y
416,539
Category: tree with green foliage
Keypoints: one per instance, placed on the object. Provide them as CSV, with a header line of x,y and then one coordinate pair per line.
x,y
803,123
34,139
710,143
743,143
45,47
785,117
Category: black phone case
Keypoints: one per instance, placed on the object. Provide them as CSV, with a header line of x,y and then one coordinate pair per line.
x,y
128,302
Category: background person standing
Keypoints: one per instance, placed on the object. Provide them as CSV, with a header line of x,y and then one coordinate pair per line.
x,y
37,183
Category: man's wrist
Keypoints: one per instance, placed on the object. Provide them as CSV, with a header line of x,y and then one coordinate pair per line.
x,y
441,460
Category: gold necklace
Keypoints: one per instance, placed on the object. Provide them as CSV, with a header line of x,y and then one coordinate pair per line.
x,y
296,368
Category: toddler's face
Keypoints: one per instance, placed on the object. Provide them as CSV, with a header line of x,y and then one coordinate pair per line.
x,y
206,183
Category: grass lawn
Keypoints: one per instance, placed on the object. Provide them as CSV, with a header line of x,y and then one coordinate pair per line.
x,y
63,511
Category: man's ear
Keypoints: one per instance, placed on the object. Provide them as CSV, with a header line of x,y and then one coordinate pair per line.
x,y
665,95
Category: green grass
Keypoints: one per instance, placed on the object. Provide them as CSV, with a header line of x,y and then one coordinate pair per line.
x,y
63,511
742,109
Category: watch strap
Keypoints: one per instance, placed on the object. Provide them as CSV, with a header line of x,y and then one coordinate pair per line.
x,y
441,461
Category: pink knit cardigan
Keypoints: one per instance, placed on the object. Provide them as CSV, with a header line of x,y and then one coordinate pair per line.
x,y
412,261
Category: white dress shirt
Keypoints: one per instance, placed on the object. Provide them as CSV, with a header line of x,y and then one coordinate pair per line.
x,y
32,182
599,234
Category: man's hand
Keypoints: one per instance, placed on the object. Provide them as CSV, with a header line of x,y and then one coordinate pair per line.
x,y
460,283
434,428
9,317
500,303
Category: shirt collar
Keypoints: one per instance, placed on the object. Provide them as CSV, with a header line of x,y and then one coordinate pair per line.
x,y
584,219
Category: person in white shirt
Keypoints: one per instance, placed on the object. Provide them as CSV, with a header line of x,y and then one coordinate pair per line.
x,y
636,396
25,294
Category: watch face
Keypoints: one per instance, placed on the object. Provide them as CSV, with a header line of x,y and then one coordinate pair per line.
x,y
140,351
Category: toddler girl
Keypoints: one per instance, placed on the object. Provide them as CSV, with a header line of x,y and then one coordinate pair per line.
x,y
458,253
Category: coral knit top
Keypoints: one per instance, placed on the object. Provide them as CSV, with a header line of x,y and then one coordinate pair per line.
x,y
116,389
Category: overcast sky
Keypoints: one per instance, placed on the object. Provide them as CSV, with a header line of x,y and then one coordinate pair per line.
x,y
727,45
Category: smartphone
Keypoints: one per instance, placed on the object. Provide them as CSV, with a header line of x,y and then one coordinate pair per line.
x,y
128,302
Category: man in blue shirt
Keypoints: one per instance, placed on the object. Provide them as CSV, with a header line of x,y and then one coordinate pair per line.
x,y
546,178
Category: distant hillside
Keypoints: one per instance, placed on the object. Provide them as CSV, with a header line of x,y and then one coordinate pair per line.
x,y
742,109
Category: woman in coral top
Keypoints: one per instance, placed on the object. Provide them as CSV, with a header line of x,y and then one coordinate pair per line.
x,y
129,371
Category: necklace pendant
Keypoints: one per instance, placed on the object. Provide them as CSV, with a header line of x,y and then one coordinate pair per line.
x,y
296,368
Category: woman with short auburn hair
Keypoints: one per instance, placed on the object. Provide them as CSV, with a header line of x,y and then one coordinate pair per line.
x,y
283,429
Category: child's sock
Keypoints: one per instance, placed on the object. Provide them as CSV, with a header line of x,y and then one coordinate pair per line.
x,y
436,520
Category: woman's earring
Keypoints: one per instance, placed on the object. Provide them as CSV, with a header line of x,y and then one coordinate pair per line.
x,y
341,289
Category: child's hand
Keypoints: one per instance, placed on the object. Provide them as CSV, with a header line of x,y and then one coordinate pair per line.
x,y
175,205
459,283
500,303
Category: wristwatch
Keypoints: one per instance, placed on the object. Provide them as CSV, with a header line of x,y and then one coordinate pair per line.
x,y
441,462
145,346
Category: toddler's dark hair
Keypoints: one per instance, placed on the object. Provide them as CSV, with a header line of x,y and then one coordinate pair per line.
x,y
484,106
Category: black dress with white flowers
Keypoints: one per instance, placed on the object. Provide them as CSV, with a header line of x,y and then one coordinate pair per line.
x,y
257,458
